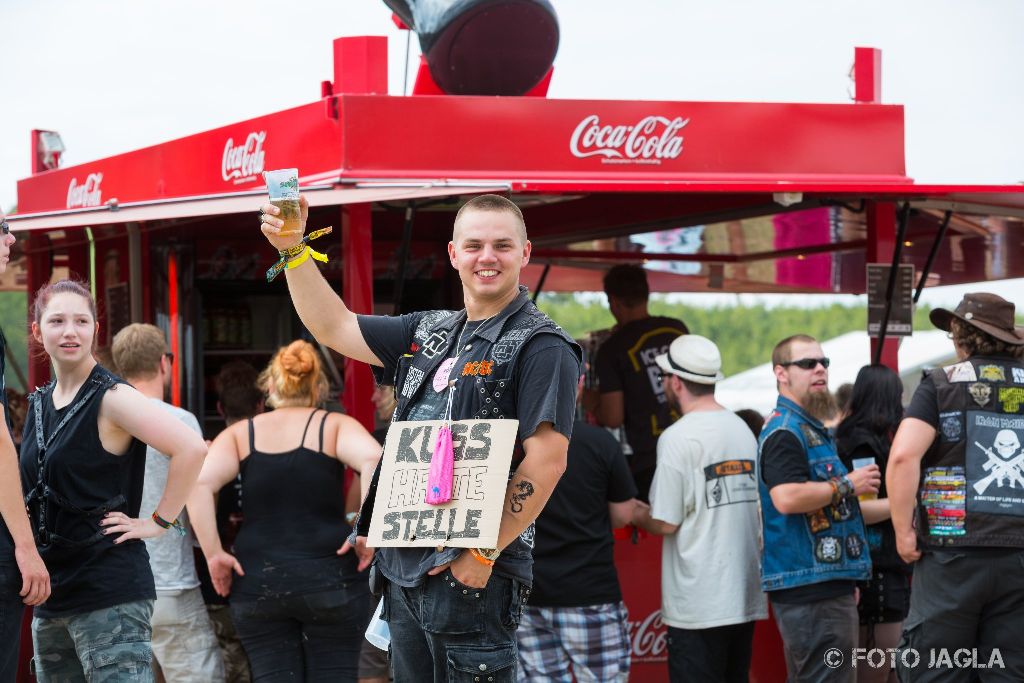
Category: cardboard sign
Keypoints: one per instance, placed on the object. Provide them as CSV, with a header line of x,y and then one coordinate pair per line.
x,y
483,453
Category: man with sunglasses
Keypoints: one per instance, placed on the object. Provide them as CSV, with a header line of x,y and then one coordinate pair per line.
x,y
23,576
814,541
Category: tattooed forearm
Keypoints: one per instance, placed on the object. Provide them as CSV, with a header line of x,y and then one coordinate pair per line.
x,y
524,490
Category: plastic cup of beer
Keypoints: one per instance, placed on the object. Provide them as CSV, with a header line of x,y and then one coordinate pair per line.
x,y
283,188
864,462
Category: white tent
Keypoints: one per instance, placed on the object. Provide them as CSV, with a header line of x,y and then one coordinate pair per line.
x,y
755,388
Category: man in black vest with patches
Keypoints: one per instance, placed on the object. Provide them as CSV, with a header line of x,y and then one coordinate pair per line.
x,y
956,491
452,611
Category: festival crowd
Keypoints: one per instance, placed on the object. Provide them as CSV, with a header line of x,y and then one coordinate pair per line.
x,y
860,525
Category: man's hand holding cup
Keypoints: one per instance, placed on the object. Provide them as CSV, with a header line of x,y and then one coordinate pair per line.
x,y
273,226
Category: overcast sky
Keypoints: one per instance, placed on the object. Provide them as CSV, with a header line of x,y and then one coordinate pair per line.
x,y
116,75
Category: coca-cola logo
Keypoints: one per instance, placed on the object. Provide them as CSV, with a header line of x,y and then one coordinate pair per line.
x,y
648,639
86,194
244,162
649,141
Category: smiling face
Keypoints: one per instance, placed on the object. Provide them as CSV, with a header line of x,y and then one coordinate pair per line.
x,y
66,329
489,250
798,384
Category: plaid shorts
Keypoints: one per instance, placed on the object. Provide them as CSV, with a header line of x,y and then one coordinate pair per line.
x,y
590,643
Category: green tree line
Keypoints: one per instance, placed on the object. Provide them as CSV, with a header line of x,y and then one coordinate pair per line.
x,y
744,334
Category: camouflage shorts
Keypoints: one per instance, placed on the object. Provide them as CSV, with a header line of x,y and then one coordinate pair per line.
x,y
107,645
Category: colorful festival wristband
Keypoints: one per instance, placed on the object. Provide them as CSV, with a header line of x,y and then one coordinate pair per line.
x,y
295,256
480,558
164,524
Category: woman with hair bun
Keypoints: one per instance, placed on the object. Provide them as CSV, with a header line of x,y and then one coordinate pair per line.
x,y
297,601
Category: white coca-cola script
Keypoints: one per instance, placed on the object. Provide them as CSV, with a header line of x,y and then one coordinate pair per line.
x,y
648,639
86,194
651,139
244,162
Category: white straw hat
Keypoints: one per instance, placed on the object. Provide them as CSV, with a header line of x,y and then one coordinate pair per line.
x,y
694,358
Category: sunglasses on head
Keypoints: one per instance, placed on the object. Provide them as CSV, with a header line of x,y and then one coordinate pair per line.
x,y
807,363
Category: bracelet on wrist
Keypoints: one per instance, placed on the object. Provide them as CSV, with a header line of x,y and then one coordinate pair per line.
x,y
296,255
842,488
480,558
164,524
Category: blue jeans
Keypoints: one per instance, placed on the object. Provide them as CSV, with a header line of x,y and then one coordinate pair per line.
x,y
457,632
309,637
11,609
108,645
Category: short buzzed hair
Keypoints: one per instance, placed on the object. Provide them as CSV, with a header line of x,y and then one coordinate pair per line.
x,y
137,350
628,283
495,203
781,353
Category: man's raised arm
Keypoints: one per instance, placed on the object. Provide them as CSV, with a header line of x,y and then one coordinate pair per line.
x,y
322,311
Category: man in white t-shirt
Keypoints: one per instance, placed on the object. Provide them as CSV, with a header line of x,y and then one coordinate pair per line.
x,y
184,644
704,502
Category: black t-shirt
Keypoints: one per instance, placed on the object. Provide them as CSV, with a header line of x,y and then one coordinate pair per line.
x,y
783,461
925,403
625,362
574,535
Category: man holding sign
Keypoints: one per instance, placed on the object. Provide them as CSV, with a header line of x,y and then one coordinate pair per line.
x,y
453,606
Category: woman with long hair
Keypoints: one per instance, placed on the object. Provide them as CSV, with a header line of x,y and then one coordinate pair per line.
x,y
297,601
83,458
875,411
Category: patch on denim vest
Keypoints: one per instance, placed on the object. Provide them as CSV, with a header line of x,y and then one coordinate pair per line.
x,y
829,549
818,521
812,435
854,546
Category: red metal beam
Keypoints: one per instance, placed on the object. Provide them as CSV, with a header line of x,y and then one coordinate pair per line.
x,y
357,291
638,256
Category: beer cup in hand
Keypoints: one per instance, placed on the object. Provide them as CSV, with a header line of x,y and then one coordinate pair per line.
x,y
865,479
274,226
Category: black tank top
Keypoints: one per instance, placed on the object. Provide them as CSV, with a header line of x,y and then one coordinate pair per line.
x,y
80,482
293,504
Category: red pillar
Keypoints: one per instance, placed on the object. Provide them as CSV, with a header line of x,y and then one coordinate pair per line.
x,y
867,75
357,292
881,220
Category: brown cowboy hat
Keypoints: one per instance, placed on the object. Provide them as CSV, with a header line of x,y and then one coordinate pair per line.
x,y
990,313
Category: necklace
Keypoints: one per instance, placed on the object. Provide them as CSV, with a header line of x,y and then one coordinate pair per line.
x,y
442,377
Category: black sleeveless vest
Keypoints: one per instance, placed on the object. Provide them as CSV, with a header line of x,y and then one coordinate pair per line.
x,y
972,476
70,483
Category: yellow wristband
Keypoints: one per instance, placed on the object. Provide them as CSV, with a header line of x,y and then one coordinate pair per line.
x,y
300,259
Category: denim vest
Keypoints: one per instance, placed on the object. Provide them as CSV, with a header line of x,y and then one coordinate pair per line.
x,y
824,545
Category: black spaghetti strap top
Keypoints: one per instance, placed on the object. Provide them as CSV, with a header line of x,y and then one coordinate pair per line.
x,y
293,504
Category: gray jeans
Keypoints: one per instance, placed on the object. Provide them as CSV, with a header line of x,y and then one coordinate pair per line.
x,y
962,600
108,645
812,632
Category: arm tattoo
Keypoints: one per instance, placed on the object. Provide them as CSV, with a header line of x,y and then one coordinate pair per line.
x,y
525,490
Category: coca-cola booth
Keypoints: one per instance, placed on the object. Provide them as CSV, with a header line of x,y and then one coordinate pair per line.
x,y
753,197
